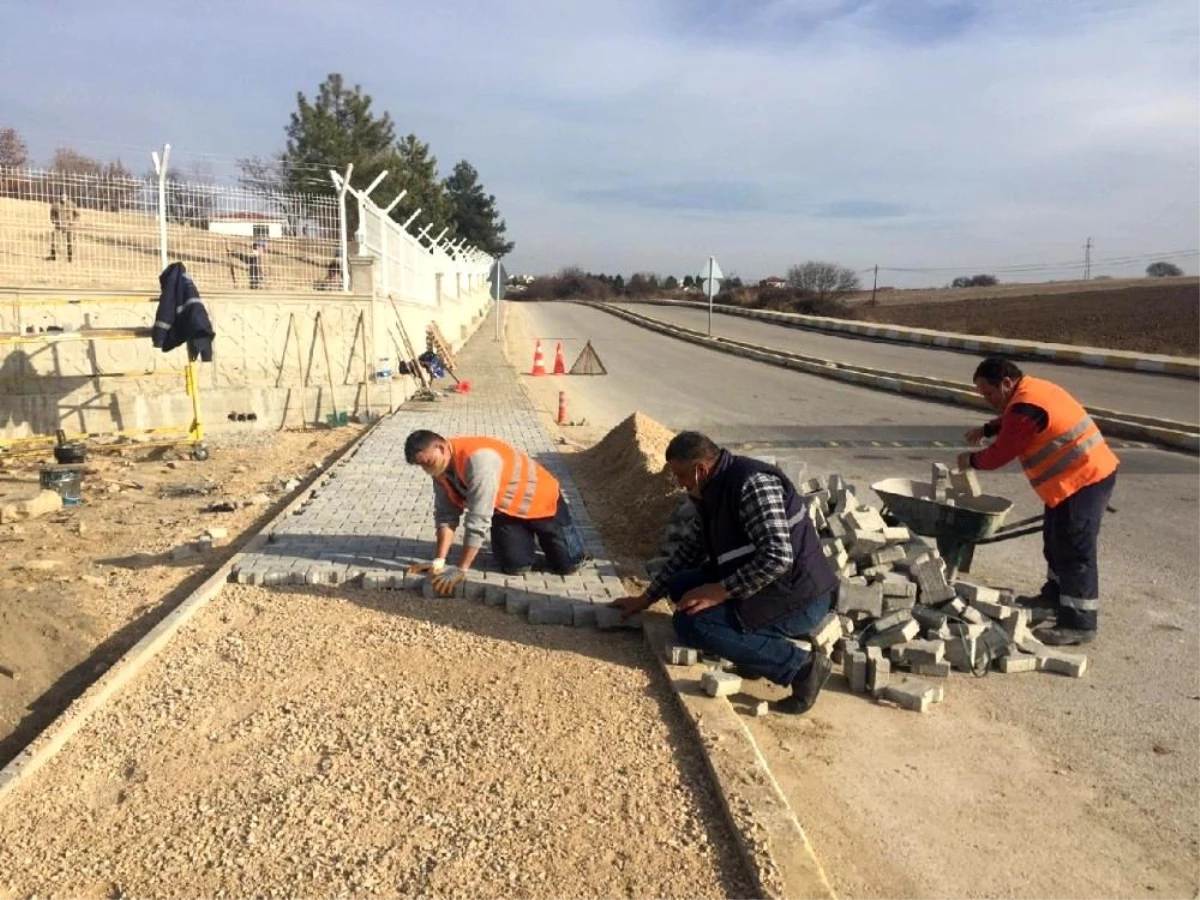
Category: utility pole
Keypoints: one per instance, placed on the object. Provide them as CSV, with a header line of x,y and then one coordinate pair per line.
x,y
875,284
1087,260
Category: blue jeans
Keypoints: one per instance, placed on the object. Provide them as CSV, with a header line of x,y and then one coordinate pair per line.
x,y
766,651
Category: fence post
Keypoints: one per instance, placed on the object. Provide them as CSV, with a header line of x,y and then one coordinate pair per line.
x,y
160,169
342,183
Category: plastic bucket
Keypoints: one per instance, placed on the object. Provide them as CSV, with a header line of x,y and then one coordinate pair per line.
x,y
67,483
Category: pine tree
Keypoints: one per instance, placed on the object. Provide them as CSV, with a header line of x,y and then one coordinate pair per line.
x,y
416,172
474,211
336,129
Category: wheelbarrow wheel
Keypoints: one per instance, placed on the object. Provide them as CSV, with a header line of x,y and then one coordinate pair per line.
x,y
199,453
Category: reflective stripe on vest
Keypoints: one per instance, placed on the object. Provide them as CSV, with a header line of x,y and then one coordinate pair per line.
x,y
1057,444
1068,459
747,549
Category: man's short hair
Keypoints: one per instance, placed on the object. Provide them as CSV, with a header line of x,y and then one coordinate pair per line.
x,y
995,369
418,442
692,447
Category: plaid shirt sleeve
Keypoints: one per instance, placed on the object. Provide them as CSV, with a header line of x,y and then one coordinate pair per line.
x,y
764,516
688,554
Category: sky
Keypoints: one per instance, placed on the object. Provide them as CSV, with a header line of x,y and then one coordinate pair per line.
x,y
932,138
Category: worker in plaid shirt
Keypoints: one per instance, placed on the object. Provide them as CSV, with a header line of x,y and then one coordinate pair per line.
x,y
749,575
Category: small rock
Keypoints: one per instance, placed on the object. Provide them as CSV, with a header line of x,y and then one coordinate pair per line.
x,y
39,565
290,485
259,500
216,533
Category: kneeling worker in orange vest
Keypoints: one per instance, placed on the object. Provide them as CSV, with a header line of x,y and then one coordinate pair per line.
x,y
1070,467
498,488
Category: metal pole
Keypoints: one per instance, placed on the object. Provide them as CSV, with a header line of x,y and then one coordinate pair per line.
x,y
160,167
342,182
497,337
875,284
712,283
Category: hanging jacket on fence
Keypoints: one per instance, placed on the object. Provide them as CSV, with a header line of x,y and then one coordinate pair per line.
x,y
181,317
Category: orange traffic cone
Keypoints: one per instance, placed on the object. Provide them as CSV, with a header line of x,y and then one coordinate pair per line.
x,y
562,407
560,364
539,362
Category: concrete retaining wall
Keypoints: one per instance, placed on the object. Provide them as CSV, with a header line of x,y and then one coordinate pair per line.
x,y
115,381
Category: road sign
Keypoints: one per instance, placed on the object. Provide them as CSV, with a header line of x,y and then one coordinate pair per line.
x,y
497,289
710,280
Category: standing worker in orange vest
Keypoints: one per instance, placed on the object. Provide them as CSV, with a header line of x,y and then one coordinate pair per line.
x,y
498,488
1070,467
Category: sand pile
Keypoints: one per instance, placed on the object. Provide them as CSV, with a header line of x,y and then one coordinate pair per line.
x,y
628,488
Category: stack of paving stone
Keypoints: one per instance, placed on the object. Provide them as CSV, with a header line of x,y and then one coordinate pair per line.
x,y
896,615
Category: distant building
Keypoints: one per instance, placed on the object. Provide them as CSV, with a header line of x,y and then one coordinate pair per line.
x,y
773,281
247,224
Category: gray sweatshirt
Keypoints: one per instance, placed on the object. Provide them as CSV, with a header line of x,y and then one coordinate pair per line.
x,y
483,471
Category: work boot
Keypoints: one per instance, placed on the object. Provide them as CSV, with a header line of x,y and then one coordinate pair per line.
x,y
806,686
1040,607
1061,636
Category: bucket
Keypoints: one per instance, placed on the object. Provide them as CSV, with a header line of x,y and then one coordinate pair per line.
x,y
66,481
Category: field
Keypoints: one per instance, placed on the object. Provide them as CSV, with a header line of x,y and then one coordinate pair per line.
x,y
1159,316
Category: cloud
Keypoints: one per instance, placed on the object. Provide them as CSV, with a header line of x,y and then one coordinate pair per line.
x,y
648,133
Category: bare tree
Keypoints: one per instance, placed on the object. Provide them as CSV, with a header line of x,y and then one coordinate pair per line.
x,y
823,279
14,154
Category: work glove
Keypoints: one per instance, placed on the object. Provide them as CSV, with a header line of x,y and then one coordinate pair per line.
x,y
445,582
426,568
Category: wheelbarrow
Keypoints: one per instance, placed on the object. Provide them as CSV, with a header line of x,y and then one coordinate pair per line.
x,y
960,528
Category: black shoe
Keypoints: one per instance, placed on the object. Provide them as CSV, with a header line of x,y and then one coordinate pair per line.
x,y
1065,637
807,686
744,675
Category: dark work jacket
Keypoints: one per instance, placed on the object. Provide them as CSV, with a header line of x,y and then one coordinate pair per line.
x,y
729,547
181,317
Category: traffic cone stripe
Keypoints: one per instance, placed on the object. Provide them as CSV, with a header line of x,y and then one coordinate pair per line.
x,y
539,363
560,364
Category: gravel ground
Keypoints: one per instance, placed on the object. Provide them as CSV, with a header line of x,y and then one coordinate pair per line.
x,y
311,743
109,574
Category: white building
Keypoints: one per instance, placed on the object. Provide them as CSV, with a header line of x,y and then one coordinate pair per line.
x,y
247,224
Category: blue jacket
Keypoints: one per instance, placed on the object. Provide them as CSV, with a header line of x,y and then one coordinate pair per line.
x,y
181,317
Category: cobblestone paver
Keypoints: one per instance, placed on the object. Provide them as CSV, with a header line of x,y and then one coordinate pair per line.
x,y
372,513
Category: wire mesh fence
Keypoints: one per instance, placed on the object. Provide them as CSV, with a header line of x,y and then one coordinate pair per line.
x,y
110,230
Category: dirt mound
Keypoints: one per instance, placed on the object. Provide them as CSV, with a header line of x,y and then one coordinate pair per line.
x,y
629,490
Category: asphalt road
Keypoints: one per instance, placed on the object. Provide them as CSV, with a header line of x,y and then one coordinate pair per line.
x,y
1129,728
1141,393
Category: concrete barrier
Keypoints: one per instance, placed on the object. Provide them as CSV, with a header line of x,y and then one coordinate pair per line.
x,y
1163,432
1182,366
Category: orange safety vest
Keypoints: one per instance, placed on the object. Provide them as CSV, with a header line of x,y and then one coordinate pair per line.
x,y
1070,453
526,490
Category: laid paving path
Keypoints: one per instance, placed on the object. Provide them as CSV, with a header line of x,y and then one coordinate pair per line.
x,y
373,513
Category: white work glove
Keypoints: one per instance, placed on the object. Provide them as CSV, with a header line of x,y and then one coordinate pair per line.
x,y
433,567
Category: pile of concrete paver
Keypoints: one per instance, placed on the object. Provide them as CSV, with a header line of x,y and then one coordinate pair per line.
x,y
896,614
